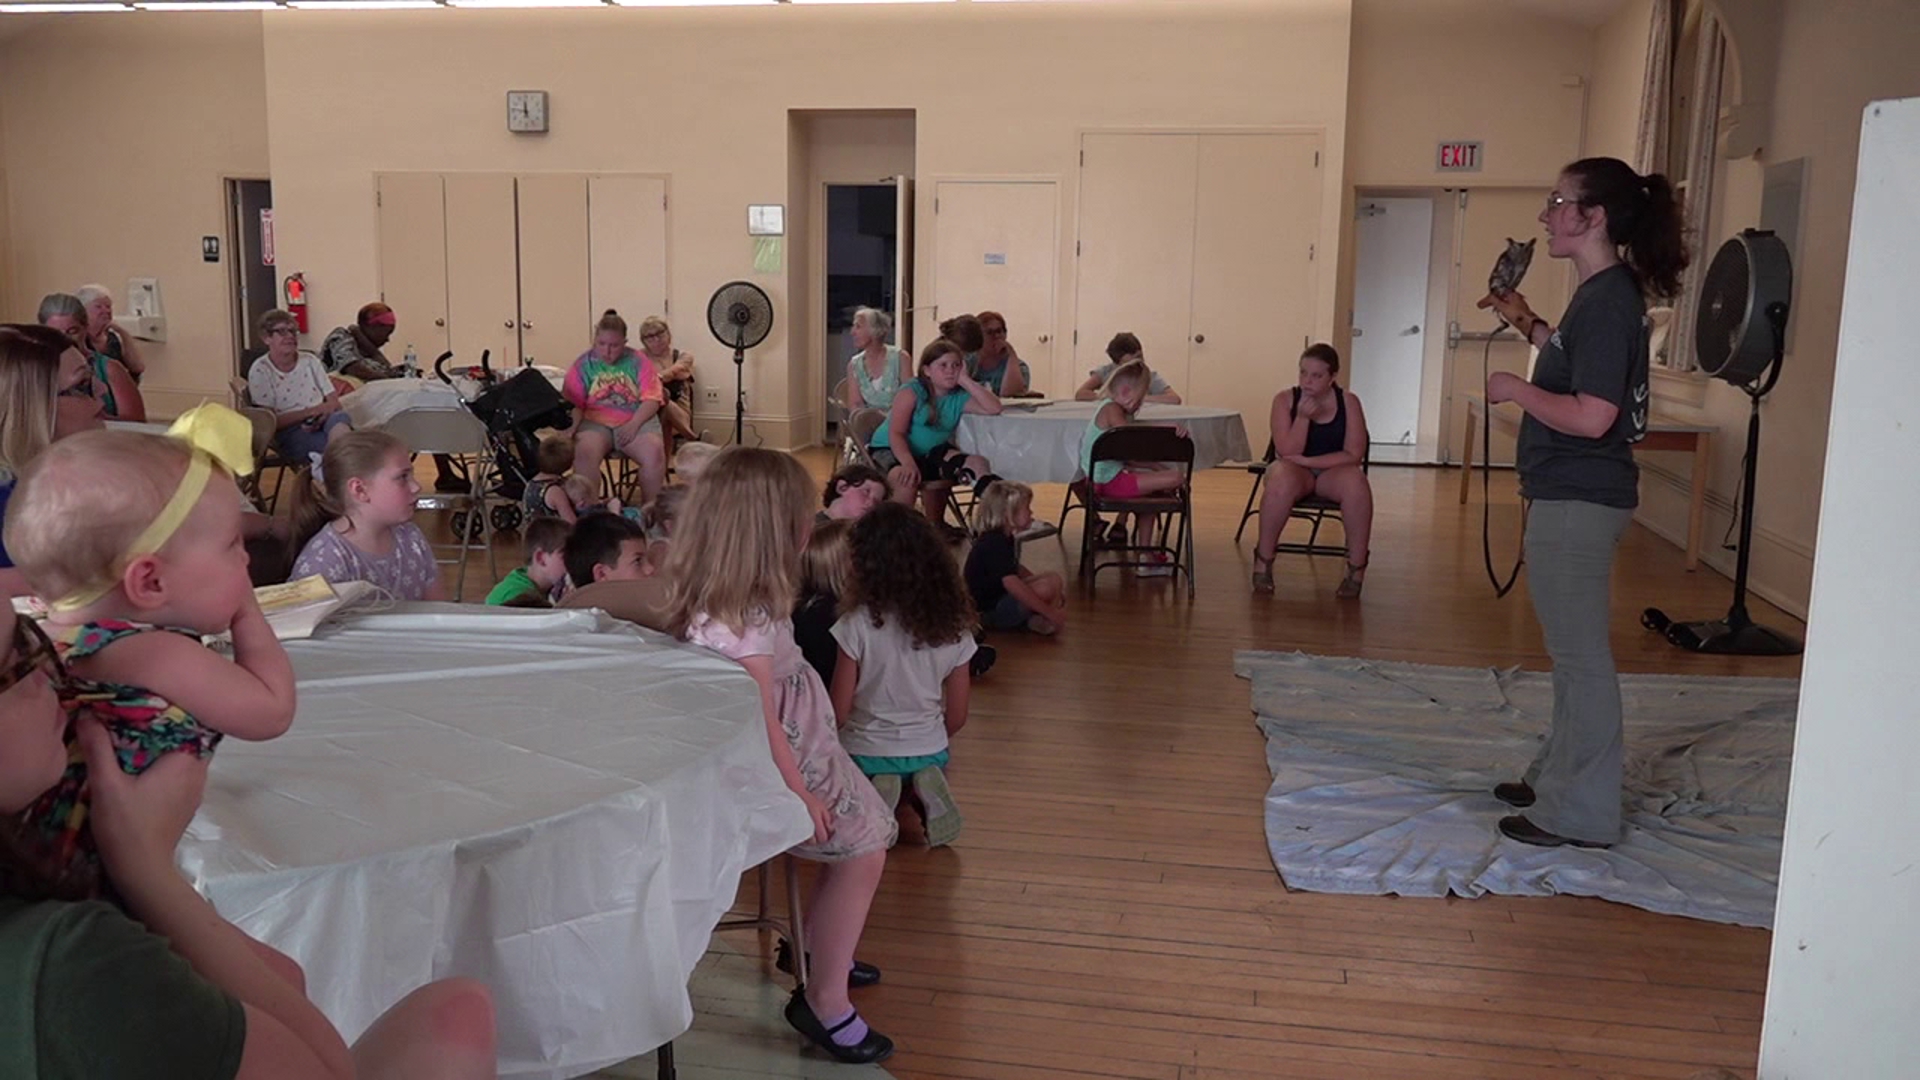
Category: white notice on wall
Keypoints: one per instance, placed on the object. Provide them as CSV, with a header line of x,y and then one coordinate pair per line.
x,y
266,236
996,258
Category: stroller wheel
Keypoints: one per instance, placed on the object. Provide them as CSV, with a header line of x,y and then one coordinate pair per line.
x,y
471,526
506,518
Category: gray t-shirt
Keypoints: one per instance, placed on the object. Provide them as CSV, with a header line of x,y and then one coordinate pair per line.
x,y
1600,349
899,704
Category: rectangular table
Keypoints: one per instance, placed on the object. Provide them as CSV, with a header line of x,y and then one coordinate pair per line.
x,y
1663,433
553,802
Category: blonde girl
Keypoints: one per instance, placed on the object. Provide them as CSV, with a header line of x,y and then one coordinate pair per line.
x,y
734,570
1120,401
357,523
1008,595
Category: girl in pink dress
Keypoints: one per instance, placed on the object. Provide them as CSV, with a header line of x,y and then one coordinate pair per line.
x,y
734,569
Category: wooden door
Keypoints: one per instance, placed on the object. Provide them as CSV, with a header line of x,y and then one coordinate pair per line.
x,y
412,214
1256,220
483,277
627,243
996,247
556,319
1484,219
1134,251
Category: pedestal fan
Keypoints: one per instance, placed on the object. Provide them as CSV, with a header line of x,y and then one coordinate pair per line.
x,y
1740,336
740,315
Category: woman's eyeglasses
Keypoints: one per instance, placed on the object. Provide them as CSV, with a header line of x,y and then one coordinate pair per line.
x,y
82,389
1556,200
32,651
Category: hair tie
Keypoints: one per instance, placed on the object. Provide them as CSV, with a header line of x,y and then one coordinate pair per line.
x,y
214,433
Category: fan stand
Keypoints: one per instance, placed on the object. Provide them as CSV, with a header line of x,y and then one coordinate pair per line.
x,y
1738,634
739,385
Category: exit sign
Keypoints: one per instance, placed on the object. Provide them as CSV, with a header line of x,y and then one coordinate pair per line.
x,y
1459,157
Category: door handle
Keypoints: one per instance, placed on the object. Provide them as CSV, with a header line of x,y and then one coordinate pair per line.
x,y
526,326
508,324
1044,338
1199,339
1358,332
1411,330
439,322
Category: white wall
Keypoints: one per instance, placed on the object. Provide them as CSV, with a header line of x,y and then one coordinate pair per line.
x,y
1843,985
1619,75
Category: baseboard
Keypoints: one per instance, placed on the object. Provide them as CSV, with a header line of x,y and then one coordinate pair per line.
x,y
1781,570
775,432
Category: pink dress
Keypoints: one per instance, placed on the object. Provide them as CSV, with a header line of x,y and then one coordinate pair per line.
x,y
861,822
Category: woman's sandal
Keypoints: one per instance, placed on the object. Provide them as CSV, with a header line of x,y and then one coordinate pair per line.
x,y
1350,586
1262,575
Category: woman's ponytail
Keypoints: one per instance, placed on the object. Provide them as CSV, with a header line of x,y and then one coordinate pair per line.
x,y
1643,219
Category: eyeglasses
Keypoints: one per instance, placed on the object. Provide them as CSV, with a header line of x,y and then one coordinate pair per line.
x,y
282,331
996,331
654,334
81,389
1556,200
32,651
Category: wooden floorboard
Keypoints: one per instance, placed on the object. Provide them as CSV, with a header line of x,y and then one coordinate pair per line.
x,y
1111,911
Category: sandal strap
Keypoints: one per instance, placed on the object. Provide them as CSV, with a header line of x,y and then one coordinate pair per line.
x,y
842,1025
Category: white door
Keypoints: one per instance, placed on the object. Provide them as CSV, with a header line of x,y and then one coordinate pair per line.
x,y
1134,252
1484,220
413,261
627,245
1256,218
556,321
1392,242
995,248
483,277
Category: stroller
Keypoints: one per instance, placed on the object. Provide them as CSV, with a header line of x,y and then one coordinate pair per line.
x,y
514,411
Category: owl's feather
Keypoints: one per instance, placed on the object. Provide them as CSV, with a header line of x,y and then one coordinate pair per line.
x,y
1510,267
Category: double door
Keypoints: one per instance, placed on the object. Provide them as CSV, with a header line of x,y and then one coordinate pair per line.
x,y
1203,245
518,267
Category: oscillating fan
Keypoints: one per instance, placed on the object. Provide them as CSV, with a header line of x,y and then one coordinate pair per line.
x,y
740,315
1740,336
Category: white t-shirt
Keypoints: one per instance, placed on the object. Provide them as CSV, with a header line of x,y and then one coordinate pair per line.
x,y
304,387
899,704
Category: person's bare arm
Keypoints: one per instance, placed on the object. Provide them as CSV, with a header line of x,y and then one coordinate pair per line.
x,y
127,402
1014,382
980,400
1572,414
1089,390
1354,450
1289,432
130,354
761,668
959,687
249,697
846,679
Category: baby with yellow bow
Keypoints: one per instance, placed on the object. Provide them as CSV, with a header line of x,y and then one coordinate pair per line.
x,y
137,540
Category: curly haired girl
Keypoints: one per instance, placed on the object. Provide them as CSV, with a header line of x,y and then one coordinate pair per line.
x,y
900,685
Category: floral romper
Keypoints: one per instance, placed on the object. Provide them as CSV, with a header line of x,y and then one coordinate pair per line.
x,y
861,822
142,725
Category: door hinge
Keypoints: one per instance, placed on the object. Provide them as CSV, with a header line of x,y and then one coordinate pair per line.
x,y
936,204
379,198
1076,249
1311,252
666,306
1083,159
1076,337
663,202
1316,159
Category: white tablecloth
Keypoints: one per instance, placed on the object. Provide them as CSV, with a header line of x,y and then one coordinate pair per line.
x,y
556,803
377,402
1042,446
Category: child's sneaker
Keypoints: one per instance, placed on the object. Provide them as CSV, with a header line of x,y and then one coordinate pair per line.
x,y
888,785
942,817
1159,565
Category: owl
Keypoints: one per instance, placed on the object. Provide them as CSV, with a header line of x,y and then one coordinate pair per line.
x,y
1510,267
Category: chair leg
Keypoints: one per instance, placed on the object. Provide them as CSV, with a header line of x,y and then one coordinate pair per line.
x,y
796,921
1253,497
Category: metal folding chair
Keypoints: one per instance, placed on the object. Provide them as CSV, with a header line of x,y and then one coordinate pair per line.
x,y
1313,509
265,454
1144,442
457,433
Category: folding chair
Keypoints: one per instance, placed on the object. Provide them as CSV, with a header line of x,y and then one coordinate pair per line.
x,y
1314,509
1144,442
792,927
455,432
265,454
861,424
837,407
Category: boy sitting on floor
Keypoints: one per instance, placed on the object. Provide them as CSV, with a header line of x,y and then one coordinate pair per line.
x,y
606,547
537,584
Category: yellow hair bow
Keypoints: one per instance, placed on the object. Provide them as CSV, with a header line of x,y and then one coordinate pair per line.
x,y
216,434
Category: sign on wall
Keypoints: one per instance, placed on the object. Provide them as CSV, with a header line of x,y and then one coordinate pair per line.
x,y
1459,156
266,236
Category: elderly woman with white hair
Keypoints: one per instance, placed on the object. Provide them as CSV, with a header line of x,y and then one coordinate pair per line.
x,y
105,338
113,383
878,370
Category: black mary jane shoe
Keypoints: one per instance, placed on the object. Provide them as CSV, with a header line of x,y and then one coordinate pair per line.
x,y
875,1047
1519,828
863,973
1515,793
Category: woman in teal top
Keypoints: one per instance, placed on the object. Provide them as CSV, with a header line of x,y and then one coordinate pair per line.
x,y
915,444
878,370
111,380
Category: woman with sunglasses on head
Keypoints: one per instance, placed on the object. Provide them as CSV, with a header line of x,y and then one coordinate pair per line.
x,y
47,392
111,380
1585,408
166,987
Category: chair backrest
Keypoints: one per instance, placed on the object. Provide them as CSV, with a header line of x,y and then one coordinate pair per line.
x,y
1144,442
863,423
265,424
438,431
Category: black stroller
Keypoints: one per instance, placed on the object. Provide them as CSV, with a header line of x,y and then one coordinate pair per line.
x,y
515,410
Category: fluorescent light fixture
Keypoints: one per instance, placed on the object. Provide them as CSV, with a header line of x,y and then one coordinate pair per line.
x,y
869,1
206,5
691,3
360,5
528,3
59,8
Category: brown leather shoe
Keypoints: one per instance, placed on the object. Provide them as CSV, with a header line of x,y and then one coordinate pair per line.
x,y
1515,793
1526,832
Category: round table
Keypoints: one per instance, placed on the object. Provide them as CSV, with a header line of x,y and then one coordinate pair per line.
x,y
1041,445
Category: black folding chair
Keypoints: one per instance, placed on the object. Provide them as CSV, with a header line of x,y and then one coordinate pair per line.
x,y
1314,509
1143,442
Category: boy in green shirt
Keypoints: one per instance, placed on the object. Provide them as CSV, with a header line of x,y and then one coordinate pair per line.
x,y
537,583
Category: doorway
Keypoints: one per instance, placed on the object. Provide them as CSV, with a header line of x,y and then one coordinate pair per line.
x,y
863,264
1393,238
250,272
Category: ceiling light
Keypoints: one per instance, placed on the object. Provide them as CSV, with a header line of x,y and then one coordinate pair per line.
x,y
361,5
60,8
206,5
691,3
527,3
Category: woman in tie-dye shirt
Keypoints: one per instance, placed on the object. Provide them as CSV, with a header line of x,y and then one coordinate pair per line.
x,y
616,396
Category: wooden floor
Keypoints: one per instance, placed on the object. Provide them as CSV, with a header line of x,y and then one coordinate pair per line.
x,y
1111,911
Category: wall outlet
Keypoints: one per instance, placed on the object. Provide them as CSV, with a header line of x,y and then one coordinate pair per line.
x,y
713,396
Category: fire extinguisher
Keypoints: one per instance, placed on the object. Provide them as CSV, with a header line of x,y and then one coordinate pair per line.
x,y
295,292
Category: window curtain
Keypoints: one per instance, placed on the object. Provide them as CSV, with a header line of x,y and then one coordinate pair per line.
x,y
1651,142
1703,159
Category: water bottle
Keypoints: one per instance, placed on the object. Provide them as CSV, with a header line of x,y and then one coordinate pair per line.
x,y
411,365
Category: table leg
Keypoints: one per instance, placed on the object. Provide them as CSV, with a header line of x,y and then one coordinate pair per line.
x,y
1466,457
1697,509
663,1061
